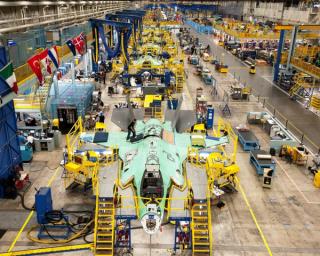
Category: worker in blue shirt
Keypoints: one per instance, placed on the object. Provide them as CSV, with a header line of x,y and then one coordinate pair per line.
x,y
22,140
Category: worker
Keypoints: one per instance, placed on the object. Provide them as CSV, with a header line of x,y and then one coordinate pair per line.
x,y
103,75
65,154
22,140
88,155
131,129
55,124
101,117
208,49
30,140
78,74
193,48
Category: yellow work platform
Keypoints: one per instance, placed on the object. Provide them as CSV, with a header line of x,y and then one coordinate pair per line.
x,y
72,167
100,126
150,98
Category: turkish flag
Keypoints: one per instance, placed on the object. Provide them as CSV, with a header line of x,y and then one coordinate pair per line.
x,y
34,63
79,44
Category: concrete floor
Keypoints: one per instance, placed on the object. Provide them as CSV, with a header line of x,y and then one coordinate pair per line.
x,y
288,213
302,120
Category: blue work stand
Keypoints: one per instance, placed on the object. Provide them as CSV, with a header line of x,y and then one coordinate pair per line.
x,y
261,164
248,140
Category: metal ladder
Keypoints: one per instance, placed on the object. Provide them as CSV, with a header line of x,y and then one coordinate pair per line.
x,y
201,228
179,82
104,227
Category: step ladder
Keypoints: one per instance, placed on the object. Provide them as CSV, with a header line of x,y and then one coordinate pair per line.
x,y
295,89
104,230
201,228
179,82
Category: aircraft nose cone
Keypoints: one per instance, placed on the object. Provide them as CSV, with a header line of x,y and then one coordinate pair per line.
x,y
151,223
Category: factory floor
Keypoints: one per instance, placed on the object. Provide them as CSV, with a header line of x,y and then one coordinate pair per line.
x,y
302,120
284,218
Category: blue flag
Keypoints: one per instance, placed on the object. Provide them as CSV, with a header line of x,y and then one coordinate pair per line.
x,y
71,47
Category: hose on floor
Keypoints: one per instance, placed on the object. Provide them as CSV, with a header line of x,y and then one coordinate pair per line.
x,y
53,240
23,203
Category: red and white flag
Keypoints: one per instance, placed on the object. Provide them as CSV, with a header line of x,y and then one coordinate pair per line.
x,y
34,63
45,61
79,44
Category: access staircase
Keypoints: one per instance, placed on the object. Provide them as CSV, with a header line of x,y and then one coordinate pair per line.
x,y
201,228
104,226
179,82
43,94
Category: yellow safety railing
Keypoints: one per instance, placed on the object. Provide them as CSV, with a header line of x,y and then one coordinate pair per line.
x,y
73,137
50,250
306,67
224,125
96,217
303,51
209,220
266,35
194,157
147,200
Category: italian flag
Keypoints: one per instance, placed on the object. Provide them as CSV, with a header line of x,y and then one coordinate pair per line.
x,y
7,74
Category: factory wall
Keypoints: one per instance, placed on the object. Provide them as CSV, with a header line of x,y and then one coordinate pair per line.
x,y
269,11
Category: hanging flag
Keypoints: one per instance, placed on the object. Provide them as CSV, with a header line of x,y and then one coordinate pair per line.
x,y
71,47
34,63
79,44
7,74
45,60
84,38
53,55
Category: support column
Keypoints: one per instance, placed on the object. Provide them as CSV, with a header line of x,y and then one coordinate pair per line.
x,y
279,53
90,61
55,85
292,45
72,72
85,62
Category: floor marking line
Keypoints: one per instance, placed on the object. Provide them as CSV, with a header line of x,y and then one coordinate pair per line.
x,y
31,213
254,217
294,184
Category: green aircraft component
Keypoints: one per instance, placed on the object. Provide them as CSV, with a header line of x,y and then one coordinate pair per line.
x,y
153,164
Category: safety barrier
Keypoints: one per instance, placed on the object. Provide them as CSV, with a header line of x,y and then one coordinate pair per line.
x,y
73,137
303,51
261,35
50,250
252,35
146,200
306,67
96,216
300,135
302,138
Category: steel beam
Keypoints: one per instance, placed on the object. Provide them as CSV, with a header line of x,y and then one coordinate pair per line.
x,y
301,27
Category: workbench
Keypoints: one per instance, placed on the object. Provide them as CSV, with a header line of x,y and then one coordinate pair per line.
x,y
261,164
46,144
248,140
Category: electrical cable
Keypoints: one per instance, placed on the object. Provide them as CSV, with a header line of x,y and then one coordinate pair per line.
x,y
23,203
62,241
48,233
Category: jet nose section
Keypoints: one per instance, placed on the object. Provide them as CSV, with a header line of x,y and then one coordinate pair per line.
x,y
151,222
